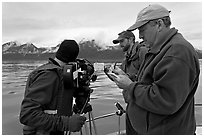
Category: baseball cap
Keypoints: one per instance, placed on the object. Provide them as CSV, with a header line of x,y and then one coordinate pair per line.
x,y
122,35
151,12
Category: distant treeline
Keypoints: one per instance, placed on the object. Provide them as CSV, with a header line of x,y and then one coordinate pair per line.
x,y
91,55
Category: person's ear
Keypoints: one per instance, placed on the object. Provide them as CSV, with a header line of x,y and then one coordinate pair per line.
x,y
131,39
160,24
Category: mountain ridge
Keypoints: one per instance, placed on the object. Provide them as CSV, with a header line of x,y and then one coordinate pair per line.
x,y
88,49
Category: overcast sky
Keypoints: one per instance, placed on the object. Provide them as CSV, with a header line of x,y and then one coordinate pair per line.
x,y
48,23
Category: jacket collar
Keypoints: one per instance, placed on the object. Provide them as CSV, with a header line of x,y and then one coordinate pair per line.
x,y
162,41
54,62
133,54
50,65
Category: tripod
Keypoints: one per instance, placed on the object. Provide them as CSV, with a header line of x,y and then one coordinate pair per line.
x,y
119,113
86,108
90,121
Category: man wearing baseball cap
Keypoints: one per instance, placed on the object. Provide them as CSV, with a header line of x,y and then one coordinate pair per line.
x,y
134,51
122,35
161,100
134,55
151,12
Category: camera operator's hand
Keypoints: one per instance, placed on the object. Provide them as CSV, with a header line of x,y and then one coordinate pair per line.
x,y
76,122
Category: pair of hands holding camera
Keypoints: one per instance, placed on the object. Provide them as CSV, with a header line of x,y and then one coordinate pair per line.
x,y
121,79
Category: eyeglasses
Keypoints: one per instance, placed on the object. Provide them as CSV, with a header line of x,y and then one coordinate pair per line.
x,y
143,27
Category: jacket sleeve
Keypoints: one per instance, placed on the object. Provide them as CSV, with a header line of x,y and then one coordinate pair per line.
x,y
37,95
172,79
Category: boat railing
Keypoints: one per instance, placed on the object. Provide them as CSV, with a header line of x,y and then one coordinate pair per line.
x,y
90,126
119,113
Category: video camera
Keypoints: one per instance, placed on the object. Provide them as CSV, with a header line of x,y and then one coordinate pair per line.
x,y
78,75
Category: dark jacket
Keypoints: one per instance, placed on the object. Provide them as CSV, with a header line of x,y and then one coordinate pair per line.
x,y
132,62
130,66
43,92
162,100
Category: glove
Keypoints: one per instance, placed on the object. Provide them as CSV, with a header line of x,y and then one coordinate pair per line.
x,y
76,122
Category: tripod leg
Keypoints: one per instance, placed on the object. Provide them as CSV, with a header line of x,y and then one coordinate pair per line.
x,y
90,127
118,125
86,128
94,125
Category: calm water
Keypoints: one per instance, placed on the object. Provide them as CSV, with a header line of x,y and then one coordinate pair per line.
x,y
14,76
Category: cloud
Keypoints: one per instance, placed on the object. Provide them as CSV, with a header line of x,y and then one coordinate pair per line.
x,y
47,23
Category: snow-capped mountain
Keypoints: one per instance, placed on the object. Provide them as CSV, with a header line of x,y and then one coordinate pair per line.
x,y
27,48
8,45
51,49
88,49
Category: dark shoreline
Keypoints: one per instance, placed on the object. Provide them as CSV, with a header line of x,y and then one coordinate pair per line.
x,y
40,57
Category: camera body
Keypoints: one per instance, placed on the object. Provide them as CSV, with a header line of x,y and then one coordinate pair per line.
x,y
78,75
